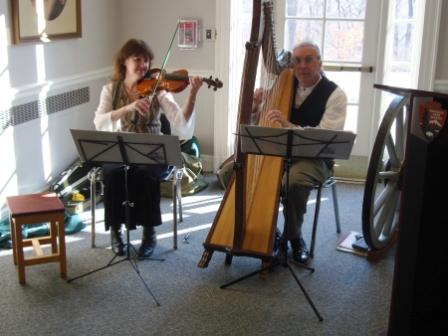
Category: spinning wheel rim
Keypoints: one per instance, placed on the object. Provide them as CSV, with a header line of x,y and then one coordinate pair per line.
x,y
380,211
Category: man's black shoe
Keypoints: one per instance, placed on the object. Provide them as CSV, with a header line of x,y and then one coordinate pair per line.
x,y
302,256
299,251
149,242
117,242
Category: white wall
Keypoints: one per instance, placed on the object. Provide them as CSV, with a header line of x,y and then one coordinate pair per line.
x,y
155,22
36,151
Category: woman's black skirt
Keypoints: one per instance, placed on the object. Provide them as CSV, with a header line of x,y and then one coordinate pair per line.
x,y
143,184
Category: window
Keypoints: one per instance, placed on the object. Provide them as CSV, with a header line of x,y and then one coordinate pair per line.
x,y
402,44
337,26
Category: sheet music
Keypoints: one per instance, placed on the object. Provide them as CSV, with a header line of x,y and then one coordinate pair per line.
x,y
140,148
306,143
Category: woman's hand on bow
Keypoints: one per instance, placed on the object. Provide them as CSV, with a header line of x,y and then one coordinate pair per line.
x,y
141,106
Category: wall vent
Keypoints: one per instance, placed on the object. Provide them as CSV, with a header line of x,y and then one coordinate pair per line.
x,y
20,114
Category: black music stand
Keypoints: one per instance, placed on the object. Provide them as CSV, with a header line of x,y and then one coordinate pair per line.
x,y
127,149
289,144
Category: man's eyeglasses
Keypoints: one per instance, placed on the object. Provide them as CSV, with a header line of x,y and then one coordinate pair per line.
x,y
306,60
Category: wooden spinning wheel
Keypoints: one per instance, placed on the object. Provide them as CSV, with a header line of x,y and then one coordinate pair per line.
x,y
383,183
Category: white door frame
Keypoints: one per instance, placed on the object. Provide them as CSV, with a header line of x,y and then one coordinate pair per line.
x,y
222,61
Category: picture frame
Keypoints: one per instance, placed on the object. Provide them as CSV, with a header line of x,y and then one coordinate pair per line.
x,y
45,20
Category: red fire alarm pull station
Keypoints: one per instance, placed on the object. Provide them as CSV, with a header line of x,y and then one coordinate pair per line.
x,y
188,37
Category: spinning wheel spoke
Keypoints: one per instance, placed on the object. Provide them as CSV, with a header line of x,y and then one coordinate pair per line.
x,y
391,216
391,150
387,215
385,196
388,175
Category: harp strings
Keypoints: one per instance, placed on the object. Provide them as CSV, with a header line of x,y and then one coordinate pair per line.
x,y
266,80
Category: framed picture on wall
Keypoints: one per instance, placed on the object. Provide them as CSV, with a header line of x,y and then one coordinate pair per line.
x,y
45,20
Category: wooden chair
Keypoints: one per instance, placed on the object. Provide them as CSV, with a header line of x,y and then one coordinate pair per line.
x,y
31,209
329,183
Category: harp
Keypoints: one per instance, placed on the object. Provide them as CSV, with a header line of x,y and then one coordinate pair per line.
x,y
246,219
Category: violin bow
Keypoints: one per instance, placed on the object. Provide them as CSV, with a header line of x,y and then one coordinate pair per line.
x,y
165,61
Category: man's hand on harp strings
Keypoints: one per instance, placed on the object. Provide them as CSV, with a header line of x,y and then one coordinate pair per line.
x,y
276,116
257,103
257,100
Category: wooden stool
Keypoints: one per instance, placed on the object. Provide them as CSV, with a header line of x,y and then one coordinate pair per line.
x,y
31,209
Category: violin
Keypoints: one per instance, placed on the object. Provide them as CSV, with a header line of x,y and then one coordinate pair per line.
x,y
175,82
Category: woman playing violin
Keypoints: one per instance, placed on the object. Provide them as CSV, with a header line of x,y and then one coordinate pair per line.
x,y
121,108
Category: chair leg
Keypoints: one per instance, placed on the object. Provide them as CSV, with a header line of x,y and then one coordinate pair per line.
x,y
93,208
95,176
19,251
316,218
336,208
61,247
178,178
174,194
54,236
179,201
12,229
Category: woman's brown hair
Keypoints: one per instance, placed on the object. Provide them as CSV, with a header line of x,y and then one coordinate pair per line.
x,y
132,47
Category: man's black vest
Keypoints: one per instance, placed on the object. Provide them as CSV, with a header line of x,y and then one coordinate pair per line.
x,y
312,109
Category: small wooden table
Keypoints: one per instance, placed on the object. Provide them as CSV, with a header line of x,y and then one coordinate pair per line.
x,y
31,209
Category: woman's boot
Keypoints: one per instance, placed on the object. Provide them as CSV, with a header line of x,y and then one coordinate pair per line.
x,y
117,241
149,242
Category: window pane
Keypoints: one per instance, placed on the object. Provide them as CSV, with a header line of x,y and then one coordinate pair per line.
x,y
405,9
348,81
346,9
343,41
403,40
300,30
401,67
351,119
400,75
309,8
245,8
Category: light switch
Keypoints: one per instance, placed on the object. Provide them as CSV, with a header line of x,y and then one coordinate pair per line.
x,y
210,34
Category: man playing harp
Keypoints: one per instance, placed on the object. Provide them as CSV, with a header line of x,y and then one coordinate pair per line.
x,y
318,103
246,220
